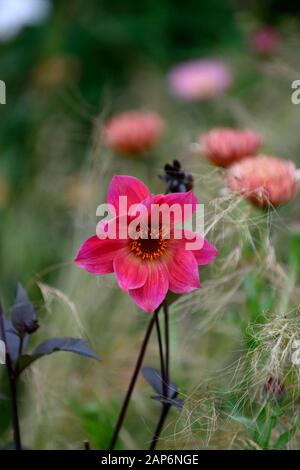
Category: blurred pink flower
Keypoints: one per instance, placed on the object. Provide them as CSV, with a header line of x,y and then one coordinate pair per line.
x,y
147,267
264,41
133,132
199,79
264,180
223,146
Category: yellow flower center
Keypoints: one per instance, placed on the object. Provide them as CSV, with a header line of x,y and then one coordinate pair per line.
x,y
149,248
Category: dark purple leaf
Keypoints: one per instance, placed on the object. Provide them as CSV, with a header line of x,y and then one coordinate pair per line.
x,y
178,402
74,345
13,340
23,314
154,378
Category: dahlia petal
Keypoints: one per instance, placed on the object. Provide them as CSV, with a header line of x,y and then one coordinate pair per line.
x,y
135,190
183,271
181,199
130,271
115,228
96,256
203,250
152,293
206,254
152,199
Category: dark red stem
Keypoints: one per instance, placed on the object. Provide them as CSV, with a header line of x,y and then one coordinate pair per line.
x,y
133,380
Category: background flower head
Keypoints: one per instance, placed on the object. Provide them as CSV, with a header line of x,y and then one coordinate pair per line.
x,y
199,79
264,41
264,180
147,267
133,132
224,146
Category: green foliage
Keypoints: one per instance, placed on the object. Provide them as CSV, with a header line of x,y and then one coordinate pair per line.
x,y
97,421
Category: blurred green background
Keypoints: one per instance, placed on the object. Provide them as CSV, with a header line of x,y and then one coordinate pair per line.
x,y
81,63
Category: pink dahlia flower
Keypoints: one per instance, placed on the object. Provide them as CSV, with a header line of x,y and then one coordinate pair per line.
x,y
199,79
264,41
225,146
147,267
264,180
133,132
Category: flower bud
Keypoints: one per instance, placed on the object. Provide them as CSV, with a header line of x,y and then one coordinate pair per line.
x,y
177,180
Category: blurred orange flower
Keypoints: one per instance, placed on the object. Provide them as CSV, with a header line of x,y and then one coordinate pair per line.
x,y
133,132
264,180
224,146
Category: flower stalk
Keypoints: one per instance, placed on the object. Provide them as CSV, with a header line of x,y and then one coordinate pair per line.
x,y
12,378
162,359
133,380
165,378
